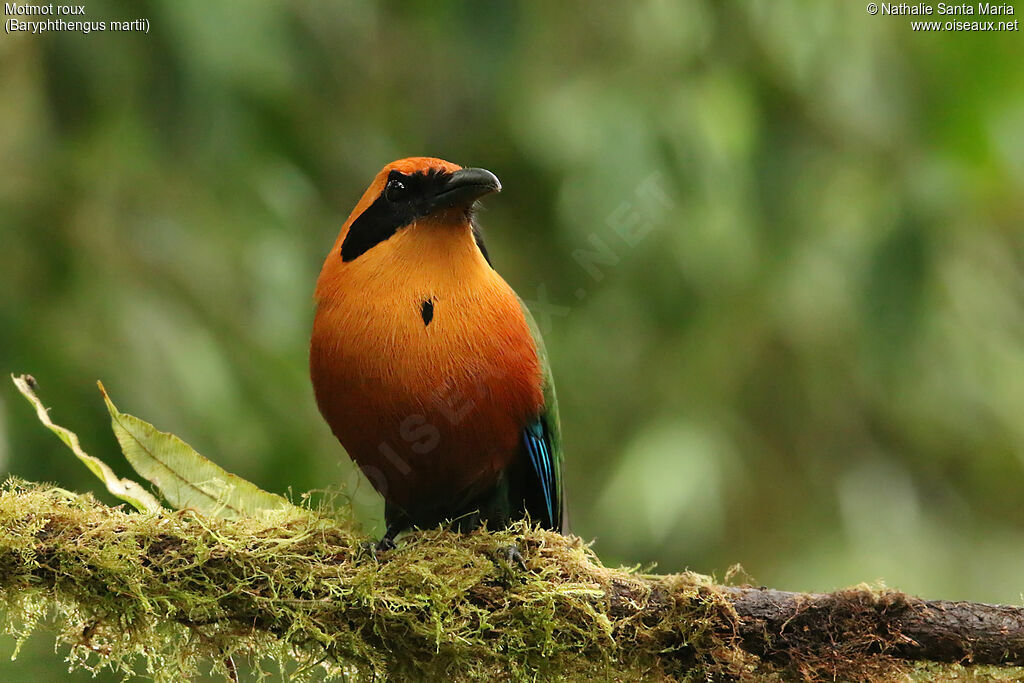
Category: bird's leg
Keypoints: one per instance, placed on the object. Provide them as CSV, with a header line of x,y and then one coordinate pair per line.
x,y
388,542
397,521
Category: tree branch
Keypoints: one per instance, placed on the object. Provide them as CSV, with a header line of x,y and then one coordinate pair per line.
x,y
891,622
182,592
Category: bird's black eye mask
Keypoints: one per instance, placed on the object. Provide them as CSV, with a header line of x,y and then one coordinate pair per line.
x,y
405,198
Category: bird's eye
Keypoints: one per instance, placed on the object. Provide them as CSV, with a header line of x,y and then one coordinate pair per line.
x,y
394,190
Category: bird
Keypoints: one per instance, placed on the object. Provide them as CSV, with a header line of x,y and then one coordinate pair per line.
x,y
427,366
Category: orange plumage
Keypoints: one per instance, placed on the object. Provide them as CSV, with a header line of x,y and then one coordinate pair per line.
x,y
422,360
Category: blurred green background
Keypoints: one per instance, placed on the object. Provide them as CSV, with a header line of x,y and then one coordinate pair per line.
x,y
778,250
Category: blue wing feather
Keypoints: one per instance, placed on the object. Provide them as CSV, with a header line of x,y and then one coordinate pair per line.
x,y
538,448
542,441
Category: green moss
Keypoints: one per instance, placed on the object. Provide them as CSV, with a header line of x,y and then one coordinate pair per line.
x,y
171,593
930,671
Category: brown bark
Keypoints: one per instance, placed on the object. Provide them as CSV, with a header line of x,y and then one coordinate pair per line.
x,y
772,623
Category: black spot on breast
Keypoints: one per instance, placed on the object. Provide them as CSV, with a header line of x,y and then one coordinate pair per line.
x,y
427,311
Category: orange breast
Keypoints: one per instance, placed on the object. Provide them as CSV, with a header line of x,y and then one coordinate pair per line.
x,y
428,411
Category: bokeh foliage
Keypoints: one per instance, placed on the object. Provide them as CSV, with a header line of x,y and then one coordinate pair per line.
x,y
782,242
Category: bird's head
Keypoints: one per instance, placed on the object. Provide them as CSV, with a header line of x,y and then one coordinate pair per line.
x,y
413,194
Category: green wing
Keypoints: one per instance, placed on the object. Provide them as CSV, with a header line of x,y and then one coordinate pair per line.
x,y
543,438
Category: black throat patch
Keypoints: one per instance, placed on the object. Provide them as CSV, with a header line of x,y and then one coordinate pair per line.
x,y
427,311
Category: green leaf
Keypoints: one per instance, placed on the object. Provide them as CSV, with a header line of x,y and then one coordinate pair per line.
x,y
125,489
185,478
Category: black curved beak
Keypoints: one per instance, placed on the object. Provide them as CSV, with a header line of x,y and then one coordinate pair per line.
x,y
465,187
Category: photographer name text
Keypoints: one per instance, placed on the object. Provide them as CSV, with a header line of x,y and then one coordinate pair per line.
x,y
944,9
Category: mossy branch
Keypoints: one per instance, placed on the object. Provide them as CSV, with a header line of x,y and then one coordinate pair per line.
x,y
172,590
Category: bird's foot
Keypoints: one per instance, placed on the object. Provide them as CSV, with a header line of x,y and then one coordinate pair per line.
x,y
374,548
510,554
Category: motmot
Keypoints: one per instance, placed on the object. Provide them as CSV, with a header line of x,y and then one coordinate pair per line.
x,y
427,366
